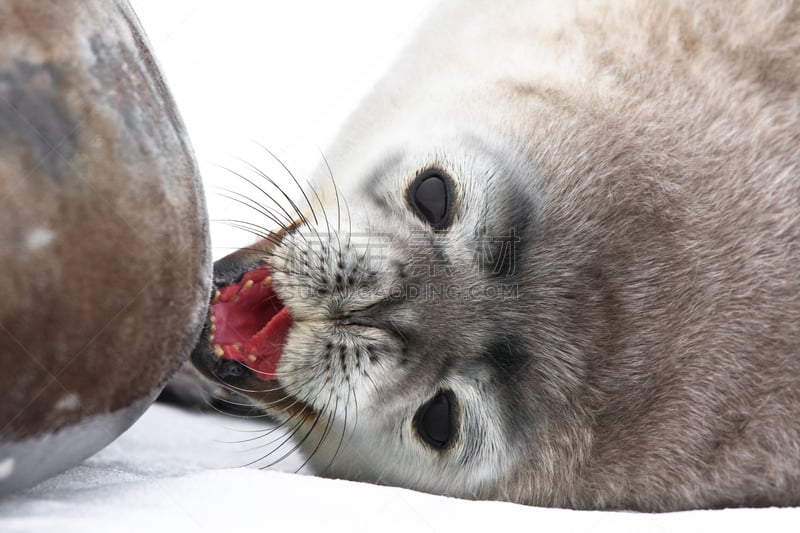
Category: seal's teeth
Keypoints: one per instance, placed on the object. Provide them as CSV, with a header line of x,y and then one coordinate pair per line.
x,y
235,297
252,358
218,351
267,281
237,345
211,337
246,286
213,318
217,294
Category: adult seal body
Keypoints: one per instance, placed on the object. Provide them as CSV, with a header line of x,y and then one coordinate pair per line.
x,y
560,265
103,233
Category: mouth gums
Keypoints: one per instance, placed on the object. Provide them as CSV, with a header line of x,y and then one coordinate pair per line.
x,y
249,323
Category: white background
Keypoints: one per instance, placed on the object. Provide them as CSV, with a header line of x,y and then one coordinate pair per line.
x,y
282,74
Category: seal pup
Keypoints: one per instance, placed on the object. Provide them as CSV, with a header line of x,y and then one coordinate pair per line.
x,y
604,200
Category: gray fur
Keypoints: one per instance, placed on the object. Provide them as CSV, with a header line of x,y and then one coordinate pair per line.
x,y
646,154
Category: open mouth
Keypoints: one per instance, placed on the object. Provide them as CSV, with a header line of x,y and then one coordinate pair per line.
x,y
249,324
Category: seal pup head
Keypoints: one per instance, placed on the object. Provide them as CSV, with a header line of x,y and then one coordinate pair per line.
x,y
382,328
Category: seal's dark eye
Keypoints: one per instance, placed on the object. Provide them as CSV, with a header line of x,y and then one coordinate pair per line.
x,y
435,421
430,196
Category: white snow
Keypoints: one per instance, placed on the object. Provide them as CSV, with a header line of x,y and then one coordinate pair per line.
x,y
178,471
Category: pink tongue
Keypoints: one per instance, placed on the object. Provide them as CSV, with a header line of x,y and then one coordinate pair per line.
x,y
250,324
268,344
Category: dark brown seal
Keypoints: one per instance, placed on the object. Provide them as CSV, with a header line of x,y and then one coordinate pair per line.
x,y
103,233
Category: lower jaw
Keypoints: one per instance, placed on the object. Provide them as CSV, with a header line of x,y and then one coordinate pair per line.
x,y
269,395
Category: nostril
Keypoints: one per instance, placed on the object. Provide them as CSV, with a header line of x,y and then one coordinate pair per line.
x,y
231,370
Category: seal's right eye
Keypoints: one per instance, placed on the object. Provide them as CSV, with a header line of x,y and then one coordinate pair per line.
x,y
431,197
434,422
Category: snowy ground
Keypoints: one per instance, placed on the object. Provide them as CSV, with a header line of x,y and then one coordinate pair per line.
x,y
282,74
178,471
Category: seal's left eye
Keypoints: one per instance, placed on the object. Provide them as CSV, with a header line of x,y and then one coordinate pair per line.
x,y
430,196
434,422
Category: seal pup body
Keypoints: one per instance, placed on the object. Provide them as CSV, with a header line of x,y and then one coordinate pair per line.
x,y
612,246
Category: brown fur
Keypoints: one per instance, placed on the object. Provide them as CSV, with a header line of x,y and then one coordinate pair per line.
x,y
684,150
103,233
